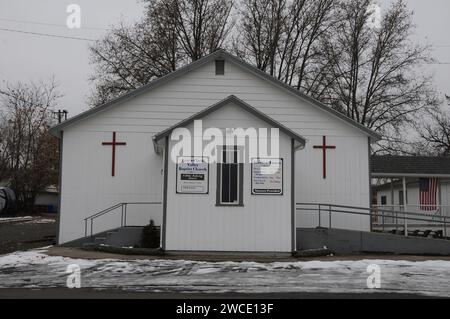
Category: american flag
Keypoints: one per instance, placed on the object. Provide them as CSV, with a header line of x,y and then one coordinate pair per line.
x,y
428,194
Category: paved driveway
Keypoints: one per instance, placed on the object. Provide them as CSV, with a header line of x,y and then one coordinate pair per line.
x,y
26,233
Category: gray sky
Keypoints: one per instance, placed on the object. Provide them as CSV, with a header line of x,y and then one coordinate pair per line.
x,y
25,57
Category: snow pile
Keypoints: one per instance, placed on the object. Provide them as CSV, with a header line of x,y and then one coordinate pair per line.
x,y
27,220
16,219
40,221
34,268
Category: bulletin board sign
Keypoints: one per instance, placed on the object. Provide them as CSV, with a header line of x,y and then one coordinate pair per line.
x,y
192,175
267,176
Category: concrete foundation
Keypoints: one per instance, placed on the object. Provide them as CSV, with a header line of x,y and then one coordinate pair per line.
x,y
356,242
120,237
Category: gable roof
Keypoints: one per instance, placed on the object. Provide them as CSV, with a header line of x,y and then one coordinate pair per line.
x,y
231,99
218,54
413,166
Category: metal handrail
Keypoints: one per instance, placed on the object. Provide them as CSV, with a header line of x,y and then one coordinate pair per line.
x,y
123,217
368,209
411,205
372,212
438,211
105,211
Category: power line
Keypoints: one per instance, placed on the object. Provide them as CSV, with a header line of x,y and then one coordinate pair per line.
x,y
438,63
47,34
49,24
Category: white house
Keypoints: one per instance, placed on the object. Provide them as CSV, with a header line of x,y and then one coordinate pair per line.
x,y
424,180
47,201
222,196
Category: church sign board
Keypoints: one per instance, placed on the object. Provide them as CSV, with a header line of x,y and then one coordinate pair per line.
x,y
192,175
267,176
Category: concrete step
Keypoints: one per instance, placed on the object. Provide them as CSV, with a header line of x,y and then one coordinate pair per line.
x,y
129,236
124,237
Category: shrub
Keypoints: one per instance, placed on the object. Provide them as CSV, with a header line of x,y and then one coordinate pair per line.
x,y
150,236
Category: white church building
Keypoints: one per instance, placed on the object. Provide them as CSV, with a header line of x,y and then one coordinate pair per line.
x,y
156,153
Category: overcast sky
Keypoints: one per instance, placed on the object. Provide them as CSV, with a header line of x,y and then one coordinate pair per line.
x,y
25,56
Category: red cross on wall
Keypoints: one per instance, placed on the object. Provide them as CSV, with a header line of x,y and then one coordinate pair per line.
x,y
114,143
324,147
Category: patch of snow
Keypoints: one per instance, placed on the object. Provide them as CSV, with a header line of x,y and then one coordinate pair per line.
x,y
27,220
15,219
205,270
40,221
36,269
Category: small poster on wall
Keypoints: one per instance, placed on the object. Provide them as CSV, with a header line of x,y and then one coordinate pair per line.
x,y
192,175
267,176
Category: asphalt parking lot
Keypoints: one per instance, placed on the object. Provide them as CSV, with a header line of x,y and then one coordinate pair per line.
x,y
39,231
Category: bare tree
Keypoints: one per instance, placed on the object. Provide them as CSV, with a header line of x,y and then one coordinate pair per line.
x,y
172,33
261,25
375,71
28,154
435,135
308,22
131,56
282,37
434,131
202,25
329,49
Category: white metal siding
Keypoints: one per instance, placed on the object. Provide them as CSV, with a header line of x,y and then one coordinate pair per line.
x,y
88,187
347,181
174,101
87,183
443,195
262,225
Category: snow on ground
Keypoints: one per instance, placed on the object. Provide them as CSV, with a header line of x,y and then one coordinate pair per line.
x,y
27,220
33,269
40,221
15,219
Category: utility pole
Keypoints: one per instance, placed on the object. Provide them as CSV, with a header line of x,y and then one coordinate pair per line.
x,y
61,114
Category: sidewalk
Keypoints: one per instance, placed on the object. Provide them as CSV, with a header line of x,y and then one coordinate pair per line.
x,y
77,253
